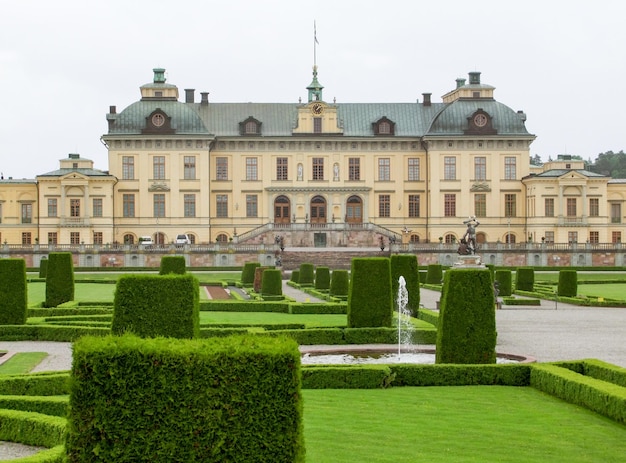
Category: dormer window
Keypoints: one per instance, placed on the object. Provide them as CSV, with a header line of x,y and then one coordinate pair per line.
x,y
384,127
480,123
250,126
158,122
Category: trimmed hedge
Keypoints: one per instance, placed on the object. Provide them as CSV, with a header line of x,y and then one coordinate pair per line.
x,y
172,264
13,292
434,274
568,284
295,276
33,429
339,283
370,302
272,283
307,275
43,267
322,278
504,279
524,279
36,384
163,400
247,274
164,305
467,318
405,265
60,279
600,396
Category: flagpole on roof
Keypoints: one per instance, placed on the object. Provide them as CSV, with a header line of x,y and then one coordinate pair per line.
x,y
315,43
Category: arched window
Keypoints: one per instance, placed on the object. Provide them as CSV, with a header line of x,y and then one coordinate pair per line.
x,y
509,238
414,239
222,238
450,238
251,127
129,239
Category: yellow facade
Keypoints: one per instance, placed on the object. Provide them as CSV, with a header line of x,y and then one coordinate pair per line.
x,y
236,171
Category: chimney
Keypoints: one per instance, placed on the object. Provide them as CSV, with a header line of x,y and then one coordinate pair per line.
x,y
189,95
460,82
474,78
204,97
426,97
112,109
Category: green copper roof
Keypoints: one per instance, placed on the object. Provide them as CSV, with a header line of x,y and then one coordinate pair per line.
x,y
185,119
65,171
453,118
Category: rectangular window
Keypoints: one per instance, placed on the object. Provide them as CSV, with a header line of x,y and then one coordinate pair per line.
x,y
221,206
549,207
549,237
27,213
414,205
75,238
252,169
449,166
480,168
27,238
97,238
53,238
159,205
128,167
510,168
510,205
414,169
354,169
616,213
384,169
252,206
128,205
616,237
571,207
221,168
158,167
189,205
318,168
449,205
74,207
572,237
52,207
594,237
96,207
317,125
480,205
282,172
594,207
190,167
384,205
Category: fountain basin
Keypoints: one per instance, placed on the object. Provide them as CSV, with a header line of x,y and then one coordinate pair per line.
x,y
383,354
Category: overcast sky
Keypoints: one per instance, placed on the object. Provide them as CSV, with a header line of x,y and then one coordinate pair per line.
x,y
64,62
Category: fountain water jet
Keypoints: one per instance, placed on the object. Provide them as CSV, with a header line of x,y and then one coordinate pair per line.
x,y
405,327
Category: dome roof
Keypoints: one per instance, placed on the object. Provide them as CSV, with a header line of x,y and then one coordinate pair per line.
x,y
453,118
184,118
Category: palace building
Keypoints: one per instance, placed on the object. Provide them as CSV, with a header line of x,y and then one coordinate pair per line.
x,y
317,172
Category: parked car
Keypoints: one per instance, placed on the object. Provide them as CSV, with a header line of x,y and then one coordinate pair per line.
x,y
183,239
146,240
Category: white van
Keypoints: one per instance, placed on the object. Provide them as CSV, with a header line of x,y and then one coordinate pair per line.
x,y
146,240
183,239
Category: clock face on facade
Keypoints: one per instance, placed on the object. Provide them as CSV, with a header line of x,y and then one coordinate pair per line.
x,y
158,120
480,120
317,109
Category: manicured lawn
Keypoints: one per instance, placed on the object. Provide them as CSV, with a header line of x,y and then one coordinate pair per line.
x,y
455,424
611,291
93,292
553,277
257,318
21,363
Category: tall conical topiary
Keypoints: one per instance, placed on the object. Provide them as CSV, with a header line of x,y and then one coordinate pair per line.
x,y
247,274
467,318
370,302
434,274
504,278
322,278
60,279
406,265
